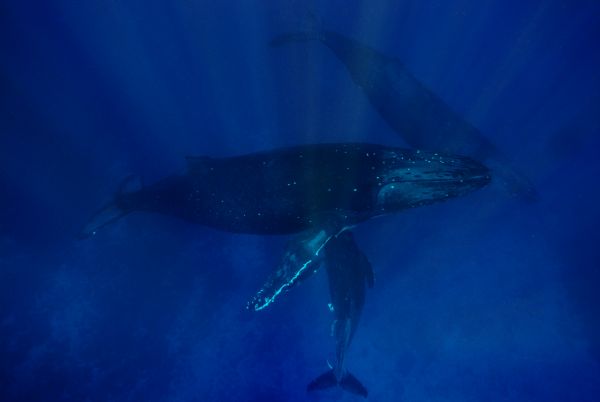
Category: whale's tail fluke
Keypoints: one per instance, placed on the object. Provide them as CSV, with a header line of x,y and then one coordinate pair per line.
x,y
348,383
114,210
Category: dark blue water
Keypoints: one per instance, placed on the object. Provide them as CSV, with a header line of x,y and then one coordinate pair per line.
x,y
484,297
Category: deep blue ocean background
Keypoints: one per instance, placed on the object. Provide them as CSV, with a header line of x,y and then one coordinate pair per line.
x,y
482,298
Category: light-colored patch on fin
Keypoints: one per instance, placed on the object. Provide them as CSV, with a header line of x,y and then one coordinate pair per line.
x,y
262,299
317,242
300,261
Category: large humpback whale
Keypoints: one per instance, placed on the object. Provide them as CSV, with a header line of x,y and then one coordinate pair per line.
x,y
418,115
317,191
349,273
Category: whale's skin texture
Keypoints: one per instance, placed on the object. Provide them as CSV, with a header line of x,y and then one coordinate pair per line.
x,y
290,190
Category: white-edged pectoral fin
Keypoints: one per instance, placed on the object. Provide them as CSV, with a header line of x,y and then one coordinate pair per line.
x,y
301,259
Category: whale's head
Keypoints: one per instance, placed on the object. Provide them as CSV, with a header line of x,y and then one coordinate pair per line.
x,y
414,178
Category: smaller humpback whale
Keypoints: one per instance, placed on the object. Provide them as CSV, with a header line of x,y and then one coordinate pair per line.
x,y
314,191
349,273
419,116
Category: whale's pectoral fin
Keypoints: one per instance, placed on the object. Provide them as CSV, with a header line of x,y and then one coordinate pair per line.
x,y
301,259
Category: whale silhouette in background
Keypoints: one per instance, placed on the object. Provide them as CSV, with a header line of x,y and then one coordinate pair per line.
x,y
418,115
349,273
314,191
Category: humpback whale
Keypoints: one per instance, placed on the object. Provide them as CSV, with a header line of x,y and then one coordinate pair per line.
x,y
349,273
314,191
418,115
